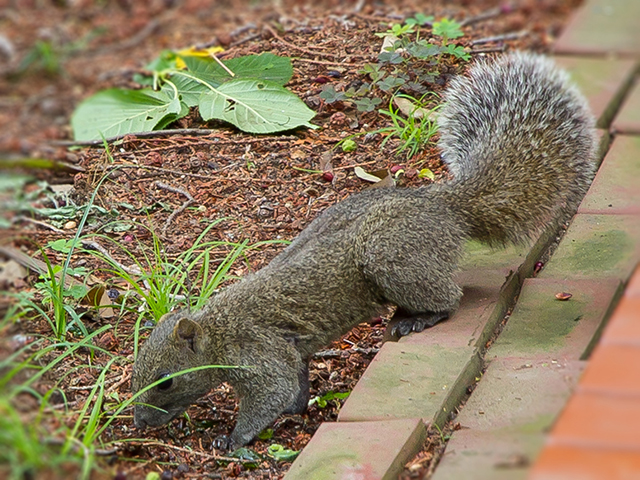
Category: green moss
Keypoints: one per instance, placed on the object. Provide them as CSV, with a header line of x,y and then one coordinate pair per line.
x,y
541,325
596,246
600,253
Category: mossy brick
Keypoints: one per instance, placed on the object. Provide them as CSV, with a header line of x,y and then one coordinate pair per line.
x,y
628,119
602,27
406,381
597,246
616,187
359,450
542,324
491,279
604,82
504,422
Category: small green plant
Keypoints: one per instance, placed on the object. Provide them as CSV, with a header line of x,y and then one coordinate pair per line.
x,y
282,454
48,56
42,56
407,64
348,145
414,131
60,297
190,279
323,400
28,447
447,29
398,30
53,285
444,438
414,128
22,449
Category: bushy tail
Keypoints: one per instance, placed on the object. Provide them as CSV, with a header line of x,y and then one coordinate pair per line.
x,y
521,144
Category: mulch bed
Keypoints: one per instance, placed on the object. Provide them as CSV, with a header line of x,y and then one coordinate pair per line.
x,y
258,183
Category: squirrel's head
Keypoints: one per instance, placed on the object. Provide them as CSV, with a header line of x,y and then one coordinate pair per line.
x,y
177,343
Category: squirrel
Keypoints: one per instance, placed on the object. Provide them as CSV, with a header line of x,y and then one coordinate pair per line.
x,y
520,143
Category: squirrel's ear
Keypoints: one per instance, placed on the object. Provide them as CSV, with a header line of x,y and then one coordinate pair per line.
x,y
187,331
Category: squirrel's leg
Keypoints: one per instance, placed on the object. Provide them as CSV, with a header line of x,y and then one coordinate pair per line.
x,y
266,390
421,285
302,399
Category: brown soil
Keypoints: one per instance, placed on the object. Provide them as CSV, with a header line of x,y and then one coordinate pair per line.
x,y
258,182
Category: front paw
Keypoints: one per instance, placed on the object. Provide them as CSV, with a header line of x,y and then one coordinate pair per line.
x,y
403,326
224,442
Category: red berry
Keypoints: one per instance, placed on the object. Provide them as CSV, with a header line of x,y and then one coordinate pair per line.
x,y
327,176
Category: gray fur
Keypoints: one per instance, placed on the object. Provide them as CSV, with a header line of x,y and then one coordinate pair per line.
x,y
521,144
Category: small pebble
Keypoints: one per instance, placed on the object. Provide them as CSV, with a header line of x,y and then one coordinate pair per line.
x,y
70,225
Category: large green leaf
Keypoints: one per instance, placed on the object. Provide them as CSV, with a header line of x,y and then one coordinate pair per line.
x,y
118,112
265,66
255,106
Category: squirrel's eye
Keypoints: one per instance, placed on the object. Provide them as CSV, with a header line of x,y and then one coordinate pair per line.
x,y
166,385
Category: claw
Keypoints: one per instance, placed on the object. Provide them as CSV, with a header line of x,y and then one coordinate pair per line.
x,y
417,323
223,442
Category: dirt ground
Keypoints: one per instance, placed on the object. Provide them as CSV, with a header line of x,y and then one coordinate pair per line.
x,y
267,187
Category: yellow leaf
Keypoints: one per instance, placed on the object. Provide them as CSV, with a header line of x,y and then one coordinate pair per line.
x,y
195,52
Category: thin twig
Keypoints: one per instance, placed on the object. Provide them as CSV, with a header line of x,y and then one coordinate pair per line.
x,y
306,50
149,29
344,167
194,452
181,209
163,170
500,38
499,48
242,29
322,62
492,12
36,222
93,245
295,47
126,375
340,353
150,134
245,39
89,387
215,140
224,67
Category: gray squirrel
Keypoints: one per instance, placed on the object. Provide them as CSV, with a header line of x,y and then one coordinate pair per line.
x,y
521,145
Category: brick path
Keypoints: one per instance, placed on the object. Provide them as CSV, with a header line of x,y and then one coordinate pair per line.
x,y
560,396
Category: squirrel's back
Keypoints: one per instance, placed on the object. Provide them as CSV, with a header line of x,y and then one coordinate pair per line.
x,y
521,144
